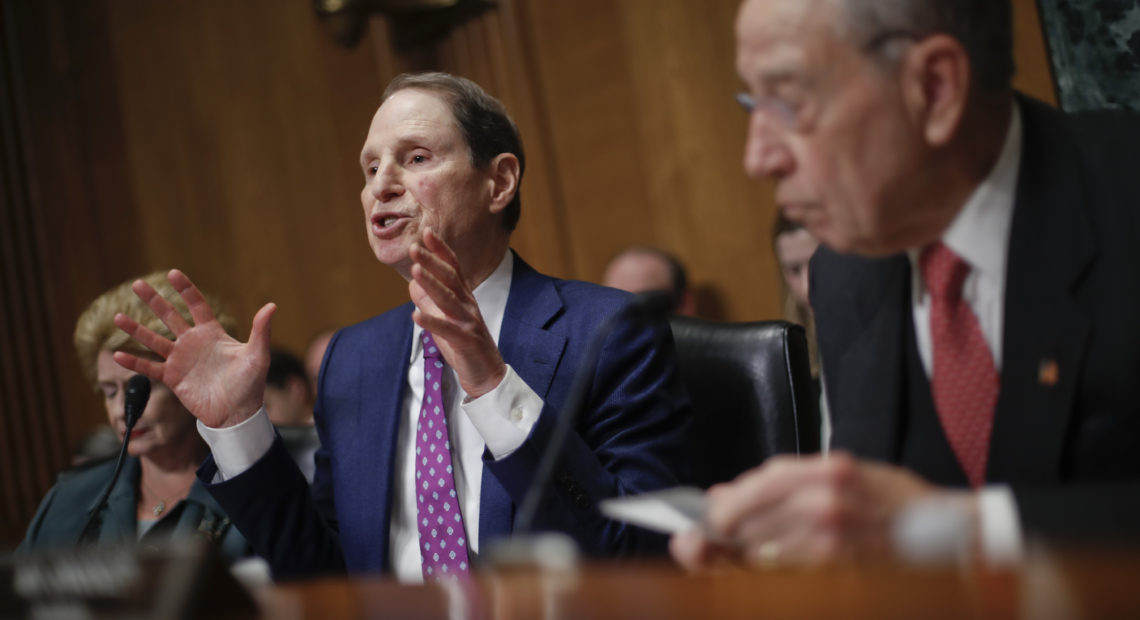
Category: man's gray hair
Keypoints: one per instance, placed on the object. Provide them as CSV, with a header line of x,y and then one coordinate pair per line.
x,y
983,27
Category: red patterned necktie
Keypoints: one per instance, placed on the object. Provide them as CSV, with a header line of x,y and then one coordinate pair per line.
x,y
964,381
443,539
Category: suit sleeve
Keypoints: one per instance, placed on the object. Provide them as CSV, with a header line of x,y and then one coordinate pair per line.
x,y
627,439
286,522
1106,513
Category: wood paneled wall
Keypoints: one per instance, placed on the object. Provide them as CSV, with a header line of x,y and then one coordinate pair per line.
x,y
221,137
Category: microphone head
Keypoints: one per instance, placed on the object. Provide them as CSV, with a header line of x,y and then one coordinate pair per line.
x,y
138,392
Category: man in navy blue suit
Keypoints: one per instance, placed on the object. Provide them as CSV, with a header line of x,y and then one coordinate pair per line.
x,y
442,165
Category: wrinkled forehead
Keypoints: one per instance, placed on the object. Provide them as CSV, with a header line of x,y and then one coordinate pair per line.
x,y
784,36
411,114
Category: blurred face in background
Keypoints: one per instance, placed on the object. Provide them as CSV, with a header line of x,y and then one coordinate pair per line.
x,y
794,250
638,272
165,424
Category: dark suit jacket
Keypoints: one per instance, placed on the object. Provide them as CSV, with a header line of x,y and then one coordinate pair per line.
x,y
1068,447
628,436
64,510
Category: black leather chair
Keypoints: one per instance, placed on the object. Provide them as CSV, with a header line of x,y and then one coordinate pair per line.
x,y
752,393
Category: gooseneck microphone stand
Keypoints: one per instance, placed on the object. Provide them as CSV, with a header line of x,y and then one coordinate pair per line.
x,y
138,392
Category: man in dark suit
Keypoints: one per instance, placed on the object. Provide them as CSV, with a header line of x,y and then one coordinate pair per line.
x,y
975,301
433,416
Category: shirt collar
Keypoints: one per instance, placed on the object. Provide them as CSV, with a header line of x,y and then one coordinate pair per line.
x,y
491,295
979,233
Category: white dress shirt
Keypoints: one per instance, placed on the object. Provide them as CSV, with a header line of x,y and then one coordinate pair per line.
x,y
979,235
499,421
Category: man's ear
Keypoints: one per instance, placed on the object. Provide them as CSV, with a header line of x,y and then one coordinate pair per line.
x,y
504,180
936,86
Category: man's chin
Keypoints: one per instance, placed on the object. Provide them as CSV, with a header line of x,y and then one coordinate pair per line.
x,y
395,257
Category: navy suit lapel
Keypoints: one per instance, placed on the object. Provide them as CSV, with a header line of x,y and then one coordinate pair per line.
x,y
383,365
866,400
534,353
524,341
1045,334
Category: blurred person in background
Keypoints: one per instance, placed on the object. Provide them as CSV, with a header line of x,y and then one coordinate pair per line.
x,y
157,496
314,355
289,405
794,247
642,269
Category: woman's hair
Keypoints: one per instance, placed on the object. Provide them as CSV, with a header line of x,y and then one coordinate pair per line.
x,y
95,330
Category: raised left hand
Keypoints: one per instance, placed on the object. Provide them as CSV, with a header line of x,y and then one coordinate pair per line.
x,y
446,307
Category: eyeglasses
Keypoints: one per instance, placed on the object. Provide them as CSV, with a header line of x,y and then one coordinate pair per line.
x,y
783,113
776,109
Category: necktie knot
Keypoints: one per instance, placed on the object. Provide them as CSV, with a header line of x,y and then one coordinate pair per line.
x,y
944,272
431,352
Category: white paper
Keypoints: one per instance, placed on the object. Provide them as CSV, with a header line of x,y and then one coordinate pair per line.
x,y
668,511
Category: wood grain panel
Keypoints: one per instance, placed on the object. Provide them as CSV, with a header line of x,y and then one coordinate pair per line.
x,y
1034,73
243,127
691,130
582,77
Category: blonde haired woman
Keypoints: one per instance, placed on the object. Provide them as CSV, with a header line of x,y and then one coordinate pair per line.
x,y
157,496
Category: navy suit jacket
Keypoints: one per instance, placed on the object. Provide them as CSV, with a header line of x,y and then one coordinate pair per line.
x,y
1066,441
629,435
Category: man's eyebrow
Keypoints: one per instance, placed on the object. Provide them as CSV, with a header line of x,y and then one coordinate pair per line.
x,y
776,77
401,143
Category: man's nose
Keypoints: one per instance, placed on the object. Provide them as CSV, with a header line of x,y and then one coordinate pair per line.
x,y
766,154
387,184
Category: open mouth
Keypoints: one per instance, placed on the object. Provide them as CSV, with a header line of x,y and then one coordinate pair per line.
x,y
382,222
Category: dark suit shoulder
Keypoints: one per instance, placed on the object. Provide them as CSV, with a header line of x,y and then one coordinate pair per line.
x,y
1103,150
577,293
88,478
64,508
847,290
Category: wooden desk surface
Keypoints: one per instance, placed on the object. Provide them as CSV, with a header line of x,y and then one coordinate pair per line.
x,y
1057,585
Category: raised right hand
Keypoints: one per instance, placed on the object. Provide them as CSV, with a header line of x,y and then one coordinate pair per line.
x,y
219,379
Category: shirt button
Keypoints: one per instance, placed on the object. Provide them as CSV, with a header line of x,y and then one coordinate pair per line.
x,y
517,414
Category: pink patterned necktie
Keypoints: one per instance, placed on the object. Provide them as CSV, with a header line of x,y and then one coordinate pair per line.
x,y
443,539
964,382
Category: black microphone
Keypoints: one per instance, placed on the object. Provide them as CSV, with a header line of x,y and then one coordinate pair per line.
x,y
644,306
134,403
138,392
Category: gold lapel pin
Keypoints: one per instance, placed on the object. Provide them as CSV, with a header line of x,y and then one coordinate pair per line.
x,y
1048,373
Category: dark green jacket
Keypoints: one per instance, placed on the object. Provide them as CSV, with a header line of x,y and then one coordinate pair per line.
x,y
64,510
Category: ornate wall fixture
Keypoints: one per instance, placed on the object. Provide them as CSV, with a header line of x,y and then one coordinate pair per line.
x,y
413,24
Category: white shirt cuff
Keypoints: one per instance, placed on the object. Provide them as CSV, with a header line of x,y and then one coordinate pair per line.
x,y
505,415
1000,535
237,448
